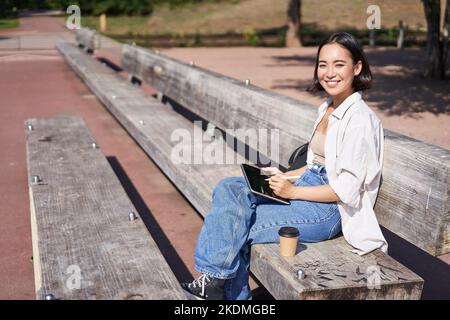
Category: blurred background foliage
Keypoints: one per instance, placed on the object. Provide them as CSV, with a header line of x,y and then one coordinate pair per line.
x,y
230,22
92,7
219,23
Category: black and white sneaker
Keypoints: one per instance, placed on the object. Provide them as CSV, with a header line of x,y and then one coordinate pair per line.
x,y
206,288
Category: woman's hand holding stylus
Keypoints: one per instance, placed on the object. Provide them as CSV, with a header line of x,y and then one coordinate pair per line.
x,y
282,187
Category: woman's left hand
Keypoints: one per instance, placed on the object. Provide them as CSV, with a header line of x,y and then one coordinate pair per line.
x,y
282,187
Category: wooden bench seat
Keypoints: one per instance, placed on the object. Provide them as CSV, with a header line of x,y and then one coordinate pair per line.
x,y
332,271
414,198
84,244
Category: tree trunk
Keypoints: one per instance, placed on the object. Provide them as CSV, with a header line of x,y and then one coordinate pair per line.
x,y
435,68
445,35
294,18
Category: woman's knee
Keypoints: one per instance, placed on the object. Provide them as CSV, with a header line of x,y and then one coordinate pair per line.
x,y
232,180
228,184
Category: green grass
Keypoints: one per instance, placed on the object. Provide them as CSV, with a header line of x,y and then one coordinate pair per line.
x,y
9,23
118,25
190,24
247,16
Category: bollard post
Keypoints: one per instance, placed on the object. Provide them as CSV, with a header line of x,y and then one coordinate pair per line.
x,y
401,34
102,22
372,37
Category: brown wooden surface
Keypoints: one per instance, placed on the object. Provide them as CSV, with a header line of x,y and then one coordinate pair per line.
x,y
151,124
80,222
414,199
333,273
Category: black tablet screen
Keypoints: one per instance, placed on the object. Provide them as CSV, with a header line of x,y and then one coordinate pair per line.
x,y
257,182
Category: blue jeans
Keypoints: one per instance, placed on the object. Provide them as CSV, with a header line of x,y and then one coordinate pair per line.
x,y
238,218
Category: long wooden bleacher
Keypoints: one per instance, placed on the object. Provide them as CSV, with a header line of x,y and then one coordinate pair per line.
x,y
332,271
86,242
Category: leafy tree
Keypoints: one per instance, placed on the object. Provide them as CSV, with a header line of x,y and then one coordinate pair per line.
x,y
294,19
111,7
437,40
6,8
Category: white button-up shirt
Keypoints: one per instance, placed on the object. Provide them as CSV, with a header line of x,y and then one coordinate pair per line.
x,y
353,161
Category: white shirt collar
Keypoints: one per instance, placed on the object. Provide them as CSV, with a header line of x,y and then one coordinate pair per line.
x,y
340,111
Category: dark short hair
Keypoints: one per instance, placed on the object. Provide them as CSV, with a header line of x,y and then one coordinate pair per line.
x,y
362,81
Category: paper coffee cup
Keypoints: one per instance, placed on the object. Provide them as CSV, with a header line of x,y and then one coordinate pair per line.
x,y
288,241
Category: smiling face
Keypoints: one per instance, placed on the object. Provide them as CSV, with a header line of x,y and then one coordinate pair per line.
x,y
336,71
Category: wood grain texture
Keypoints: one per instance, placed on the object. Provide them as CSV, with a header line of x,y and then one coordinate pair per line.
x,y
88,39
84,245
332,273
152,124
414,198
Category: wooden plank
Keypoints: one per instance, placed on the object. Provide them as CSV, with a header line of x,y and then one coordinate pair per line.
x,y
151,124
226,102
159,122
332,273
414,200
84,245
88,39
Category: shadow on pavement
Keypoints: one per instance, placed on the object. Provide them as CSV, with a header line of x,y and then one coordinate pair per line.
x,y
173,259
434,271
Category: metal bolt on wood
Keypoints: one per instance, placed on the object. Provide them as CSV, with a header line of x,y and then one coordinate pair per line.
x,y
301,274
132,216
94,145
159,96
49,297
191,63
247,82
141,122
157,69
30,127
36,179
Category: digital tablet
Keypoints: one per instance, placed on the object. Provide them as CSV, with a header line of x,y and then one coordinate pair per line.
x,y
257,183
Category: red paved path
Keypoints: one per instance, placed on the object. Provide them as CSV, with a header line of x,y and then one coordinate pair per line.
x,y
39,84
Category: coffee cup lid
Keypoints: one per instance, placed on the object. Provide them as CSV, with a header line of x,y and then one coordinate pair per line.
x,y
289,232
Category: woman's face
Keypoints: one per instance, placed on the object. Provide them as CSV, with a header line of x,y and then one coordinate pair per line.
x,y
336,70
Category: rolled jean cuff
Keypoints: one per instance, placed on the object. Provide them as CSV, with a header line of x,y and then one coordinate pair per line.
x,y
214,274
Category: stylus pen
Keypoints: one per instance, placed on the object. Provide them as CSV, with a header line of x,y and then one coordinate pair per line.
x,y
287,178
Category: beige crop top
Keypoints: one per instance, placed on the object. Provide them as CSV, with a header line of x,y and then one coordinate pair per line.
x,y
318,147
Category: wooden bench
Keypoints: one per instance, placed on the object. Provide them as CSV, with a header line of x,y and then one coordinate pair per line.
x,y
85,244
414,199
332,271
87,39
